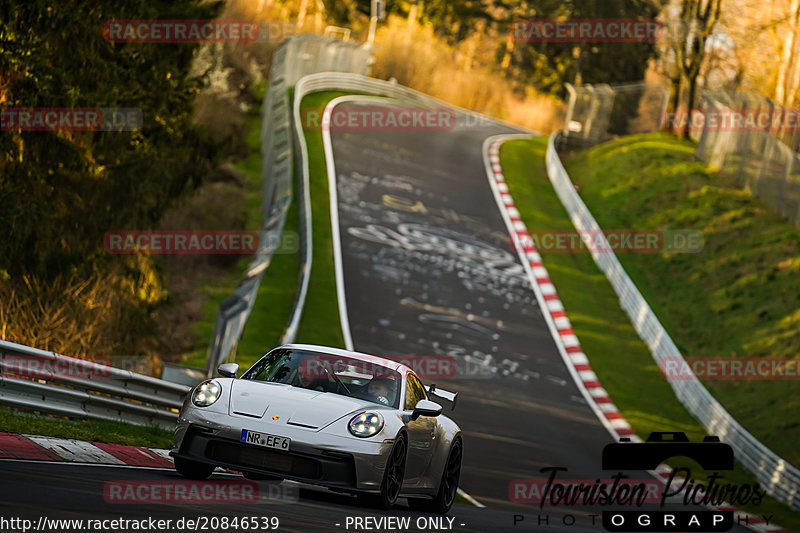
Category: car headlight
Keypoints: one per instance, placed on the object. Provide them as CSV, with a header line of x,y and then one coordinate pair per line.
x,y
366,424
206,393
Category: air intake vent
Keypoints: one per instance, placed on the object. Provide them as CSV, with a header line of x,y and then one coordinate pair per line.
x,y
290,423
246,414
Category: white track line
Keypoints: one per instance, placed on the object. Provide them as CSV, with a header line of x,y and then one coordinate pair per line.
x,y
337,245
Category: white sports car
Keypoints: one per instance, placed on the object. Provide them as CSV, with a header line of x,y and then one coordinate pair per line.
x,y
348,421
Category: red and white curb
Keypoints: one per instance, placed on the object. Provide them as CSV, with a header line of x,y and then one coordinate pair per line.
x,y
552,309
560,327
37,448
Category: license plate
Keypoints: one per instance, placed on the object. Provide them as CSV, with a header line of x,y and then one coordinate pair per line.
x,y
266,440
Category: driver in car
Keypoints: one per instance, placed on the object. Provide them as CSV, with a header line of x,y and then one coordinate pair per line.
x,y
379,389
305,380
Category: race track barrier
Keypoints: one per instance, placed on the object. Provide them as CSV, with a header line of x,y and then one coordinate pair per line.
x,y
295,57
779,478
55,384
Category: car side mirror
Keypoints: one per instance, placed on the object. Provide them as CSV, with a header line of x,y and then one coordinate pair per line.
x,y
426,408
228,370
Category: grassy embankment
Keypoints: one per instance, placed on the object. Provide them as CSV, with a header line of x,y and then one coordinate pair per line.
x,y
92,430
320,321
736,297
278,286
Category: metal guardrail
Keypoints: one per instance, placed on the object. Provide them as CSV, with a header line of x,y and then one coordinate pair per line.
x,y
777,477
47,382
355,83
294,58
276,182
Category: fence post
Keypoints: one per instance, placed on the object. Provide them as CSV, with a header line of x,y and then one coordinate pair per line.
x,y
587,126
767,147
744,147
790,159
573,97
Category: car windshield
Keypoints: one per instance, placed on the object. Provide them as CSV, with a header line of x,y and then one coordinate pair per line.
x,y
368,379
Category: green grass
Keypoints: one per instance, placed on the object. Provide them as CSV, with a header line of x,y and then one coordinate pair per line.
x,y
621,360
592,306
738,297
320,323
278,287
93,430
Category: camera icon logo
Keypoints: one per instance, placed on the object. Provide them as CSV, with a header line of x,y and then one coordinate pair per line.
x,y
711,454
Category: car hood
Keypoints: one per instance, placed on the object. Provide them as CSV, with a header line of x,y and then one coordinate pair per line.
x,y
284,404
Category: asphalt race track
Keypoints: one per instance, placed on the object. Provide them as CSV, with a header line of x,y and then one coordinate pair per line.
x,y
427,270
63,491
438,276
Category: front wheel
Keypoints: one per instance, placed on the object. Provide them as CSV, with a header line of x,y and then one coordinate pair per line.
x,y
192,469
393,476
448,486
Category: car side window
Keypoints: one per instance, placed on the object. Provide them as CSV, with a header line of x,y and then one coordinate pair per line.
x,y
414,392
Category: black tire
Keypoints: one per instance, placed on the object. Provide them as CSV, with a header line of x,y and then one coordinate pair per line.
x,y
448,486
192,469
253,476
393,476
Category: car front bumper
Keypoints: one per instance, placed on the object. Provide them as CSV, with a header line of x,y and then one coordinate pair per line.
x,y
335,461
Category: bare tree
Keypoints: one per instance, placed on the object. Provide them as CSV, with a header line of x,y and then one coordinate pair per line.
x,y
786,86
690,34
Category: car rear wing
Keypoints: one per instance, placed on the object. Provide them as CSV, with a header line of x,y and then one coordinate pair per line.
x,y
444,395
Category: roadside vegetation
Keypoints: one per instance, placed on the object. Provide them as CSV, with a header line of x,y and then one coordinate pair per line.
x,y
12,421
646,183
320,323
60,289
738,297
413,54
193,166
278,287
63,190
